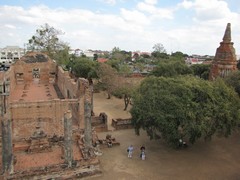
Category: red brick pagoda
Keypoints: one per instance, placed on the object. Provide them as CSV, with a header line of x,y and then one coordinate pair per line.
x,y
224,61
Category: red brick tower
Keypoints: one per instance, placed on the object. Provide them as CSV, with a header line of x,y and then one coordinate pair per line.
x,y
225,58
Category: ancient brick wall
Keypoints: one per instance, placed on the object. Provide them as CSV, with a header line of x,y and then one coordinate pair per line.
x,y
67,85
23,70
47,115
72,89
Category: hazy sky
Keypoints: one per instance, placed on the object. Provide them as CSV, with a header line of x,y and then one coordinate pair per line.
x,y
190,26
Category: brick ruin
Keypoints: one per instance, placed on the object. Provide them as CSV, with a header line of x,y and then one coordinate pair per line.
x,y
120,123
225,60
45,122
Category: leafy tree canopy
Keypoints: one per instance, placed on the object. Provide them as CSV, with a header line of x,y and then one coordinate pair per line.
x,y
159,48
83,67
108,77
184,107
125,89
179,54
233,80
201,70
46,40
121,55
124,70
172,68
114,63
159,52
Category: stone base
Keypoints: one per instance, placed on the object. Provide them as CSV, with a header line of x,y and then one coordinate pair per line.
x,y
87,168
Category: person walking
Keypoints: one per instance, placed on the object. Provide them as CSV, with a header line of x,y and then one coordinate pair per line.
x,y
130,151
142,153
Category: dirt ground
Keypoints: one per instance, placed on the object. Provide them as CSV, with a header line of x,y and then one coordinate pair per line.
x,y
214,160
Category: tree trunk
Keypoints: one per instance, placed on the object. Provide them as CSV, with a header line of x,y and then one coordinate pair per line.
x,y
109,96
126,101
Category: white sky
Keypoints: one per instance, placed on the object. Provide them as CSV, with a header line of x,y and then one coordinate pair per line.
x,y
190,26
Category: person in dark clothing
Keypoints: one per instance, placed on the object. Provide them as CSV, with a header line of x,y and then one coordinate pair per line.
x,y
142,149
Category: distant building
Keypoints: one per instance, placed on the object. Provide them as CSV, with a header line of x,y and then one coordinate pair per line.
x,y
89,53
225,58
76,52
191,61
102,60
10,54
198,59
137,54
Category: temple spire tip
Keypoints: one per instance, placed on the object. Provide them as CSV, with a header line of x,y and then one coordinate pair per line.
x,y
227,34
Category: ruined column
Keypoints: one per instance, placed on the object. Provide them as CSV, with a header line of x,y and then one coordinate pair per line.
x,y
91,88
7,150
88,125
68,150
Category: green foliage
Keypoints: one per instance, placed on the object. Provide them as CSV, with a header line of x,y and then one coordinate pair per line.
x,y
120,55
124,70
63,56
159,52
179,55
107,77
201,70
184,107
83,67
139,66
46,40
160,55
114,63
95,57
233,80
125,89
159,48
170,68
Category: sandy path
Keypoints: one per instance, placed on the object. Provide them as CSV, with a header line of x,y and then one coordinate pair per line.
x,y
215,160
113,107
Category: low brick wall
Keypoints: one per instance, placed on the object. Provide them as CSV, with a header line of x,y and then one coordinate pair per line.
x,y
122,123
100,122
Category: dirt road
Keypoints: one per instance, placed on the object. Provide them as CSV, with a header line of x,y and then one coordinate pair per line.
x,y
215,160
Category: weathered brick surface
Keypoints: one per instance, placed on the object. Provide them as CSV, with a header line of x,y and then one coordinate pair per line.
x,y
33,105
48,115
225,58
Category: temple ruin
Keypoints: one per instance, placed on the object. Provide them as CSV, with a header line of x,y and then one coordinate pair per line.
x,y
45,122
225,60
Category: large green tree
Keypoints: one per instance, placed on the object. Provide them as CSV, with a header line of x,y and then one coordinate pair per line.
x,y
170,68
107,77
47,40
201,70
159,52
125,89
233,80
83,67
184,107
120,55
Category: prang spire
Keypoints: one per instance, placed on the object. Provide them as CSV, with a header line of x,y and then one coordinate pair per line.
x,y
225,60
227,35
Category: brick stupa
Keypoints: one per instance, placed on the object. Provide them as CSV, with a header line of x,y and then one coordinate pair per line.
x,y
225,60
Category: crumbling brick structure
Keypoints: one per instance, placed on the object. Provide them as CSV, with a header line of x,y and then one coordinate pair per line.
x,y
225,60
45,115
